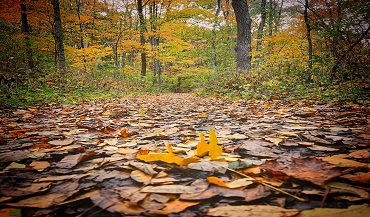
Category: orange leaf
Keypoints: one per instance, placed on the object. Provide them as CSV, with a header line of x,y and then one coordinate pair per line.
x,y
216,181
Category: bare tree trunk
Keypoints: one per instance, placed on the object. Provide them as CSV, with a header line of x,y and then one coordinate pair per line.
x,y
214,38
25,29
58,34
78,9
154,41
243,47
261,25
308,34
142,37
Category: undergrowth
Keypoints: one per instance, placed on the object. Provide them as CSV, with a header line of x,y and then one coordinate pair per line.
x,y
294,85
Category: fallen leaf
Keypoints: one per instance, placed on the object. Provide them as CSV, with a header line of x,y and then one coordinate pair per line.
x,y
341,162
170,189
308,169
140,176
353,211
41,201
202,147
346,188
60,178
146,168
215,167
14,166
13,156
177,206
11,191
40,165
215,150
358,177
62,141
252,211
256,193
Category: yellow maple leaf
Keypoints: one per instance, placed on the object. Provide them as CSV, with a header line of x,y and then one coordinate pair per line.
x,y
169,148
215,150
202,147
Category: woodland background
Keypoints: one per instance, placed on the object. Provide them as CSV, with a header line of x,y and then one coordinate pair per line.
x,y
300,49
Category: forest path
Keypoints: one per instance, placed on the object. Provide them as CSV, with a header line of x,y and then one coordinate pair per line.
x,y
82,159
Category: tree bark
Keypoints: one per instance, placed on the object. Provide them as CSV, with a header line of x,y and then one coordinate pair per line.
x,y
25,29
243,47
261,25
142,37
58,35
78,9
308,34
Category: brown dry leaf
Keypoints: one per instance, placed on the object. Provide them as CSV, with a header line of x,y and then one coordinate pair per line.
x,y
83,196
23,191
111,202
215,166
42,201
174,206
256,193
13,156
274,140
259,148
358,177
126,191
159,198
40,165
308,169
70,161
352,211
170,189
316,139
227,192
321,148
149,204
252,211
146,168
339,161
62,141
204,195
360,154
346,188
140,176
60,178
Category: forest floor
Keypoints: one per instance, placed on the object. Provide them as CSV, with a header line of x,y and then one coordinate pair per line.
x,y
137,156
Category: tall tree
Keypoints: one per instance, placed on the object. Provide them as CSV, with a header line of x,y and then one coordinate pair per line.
x,y
25,29
142,28
154,41
243,47
308,33
58,36
261,25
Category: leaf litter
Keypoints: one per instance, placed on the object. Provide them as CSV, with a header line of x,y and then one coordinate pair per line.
x,y
183,155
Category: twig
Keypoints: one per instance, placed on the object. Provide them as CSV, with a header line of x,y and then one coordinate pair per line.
x,y
265,184
327,192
